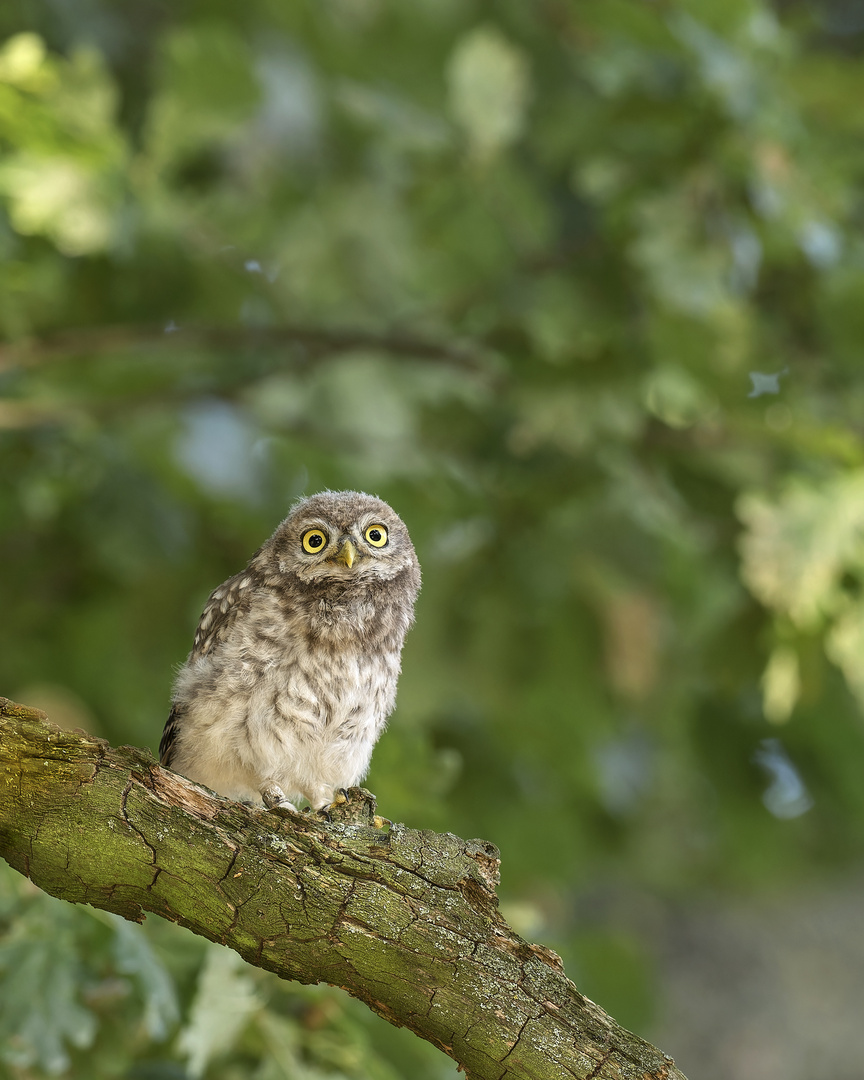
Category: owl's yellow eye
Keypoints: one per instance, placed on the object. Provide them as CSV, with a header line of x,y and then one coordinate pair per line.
x,y
376,535
314,540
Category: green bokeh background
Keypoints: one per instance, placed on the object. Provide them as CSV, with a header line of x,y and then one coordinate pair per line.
x,y
579,290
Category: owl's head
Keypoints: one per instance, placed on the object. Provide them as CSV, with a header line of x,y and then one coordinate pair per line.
x,y
345,536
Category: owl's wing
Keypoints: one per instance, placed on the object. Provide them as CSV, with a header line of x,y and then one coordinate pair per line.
x,y
169,735
219,615
221,611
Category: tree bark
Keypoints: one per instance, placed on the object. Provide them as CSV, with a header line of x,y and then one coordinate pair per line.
x,y
405,920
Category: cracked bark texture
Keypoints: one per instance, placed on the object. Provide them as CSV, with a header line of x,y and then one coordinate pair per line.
x,y
405,920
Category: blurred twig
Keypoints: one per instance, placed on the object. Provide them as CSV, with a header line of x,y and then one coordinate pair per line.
x,y
315,341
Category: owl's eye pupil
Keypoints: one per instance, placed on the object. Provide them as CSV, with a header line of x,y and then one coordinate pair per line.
x,y
314,540
376,535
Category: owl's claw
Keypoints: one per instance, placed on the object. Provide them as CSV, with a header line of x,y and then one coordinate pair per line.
x,y
354,806
340,799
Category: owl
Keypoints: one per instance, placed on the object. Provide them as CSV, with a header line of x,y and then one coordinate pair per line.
x,y
293,670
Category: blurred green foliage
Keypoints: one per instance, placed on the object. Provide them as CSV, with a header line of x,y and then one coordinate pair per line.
x,y
579,289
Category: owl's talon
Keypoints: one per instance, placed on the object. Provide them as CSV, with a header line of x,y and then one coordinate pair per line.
x,y
324,814
341,797
382,822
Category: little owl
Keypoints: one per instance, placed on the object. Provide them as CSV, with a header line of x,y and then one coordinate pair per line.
x,y
293,671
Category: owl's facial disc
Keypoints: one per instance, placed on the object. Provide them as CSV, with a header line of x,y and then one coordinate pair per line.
x,y
346,550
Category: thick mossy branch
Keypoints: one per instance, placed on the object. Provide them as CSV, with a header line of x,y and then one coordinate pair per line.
x,y
407,921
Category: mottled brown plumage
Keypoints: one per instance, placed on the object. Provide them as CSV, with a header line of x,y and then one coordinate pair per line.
x,y
294,666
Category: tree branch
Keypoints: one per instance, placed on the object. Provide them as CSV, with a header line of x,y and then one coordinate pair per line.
x,y
407,921
315,341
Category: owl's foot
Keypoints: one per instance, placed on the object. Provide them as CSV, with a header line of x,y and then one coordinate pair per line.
x,y
323,811
273,798
354,806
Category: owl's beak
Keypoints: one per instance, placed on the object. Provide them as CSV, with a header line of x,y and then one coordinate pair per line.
x,y
347,554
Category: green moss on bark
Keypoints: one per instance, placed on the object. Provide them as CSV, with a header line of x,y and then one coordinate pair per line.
x,y
405,920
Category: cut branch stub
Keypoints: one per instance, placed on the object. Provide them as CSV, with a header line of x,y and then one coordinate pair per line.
x,y
405,920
